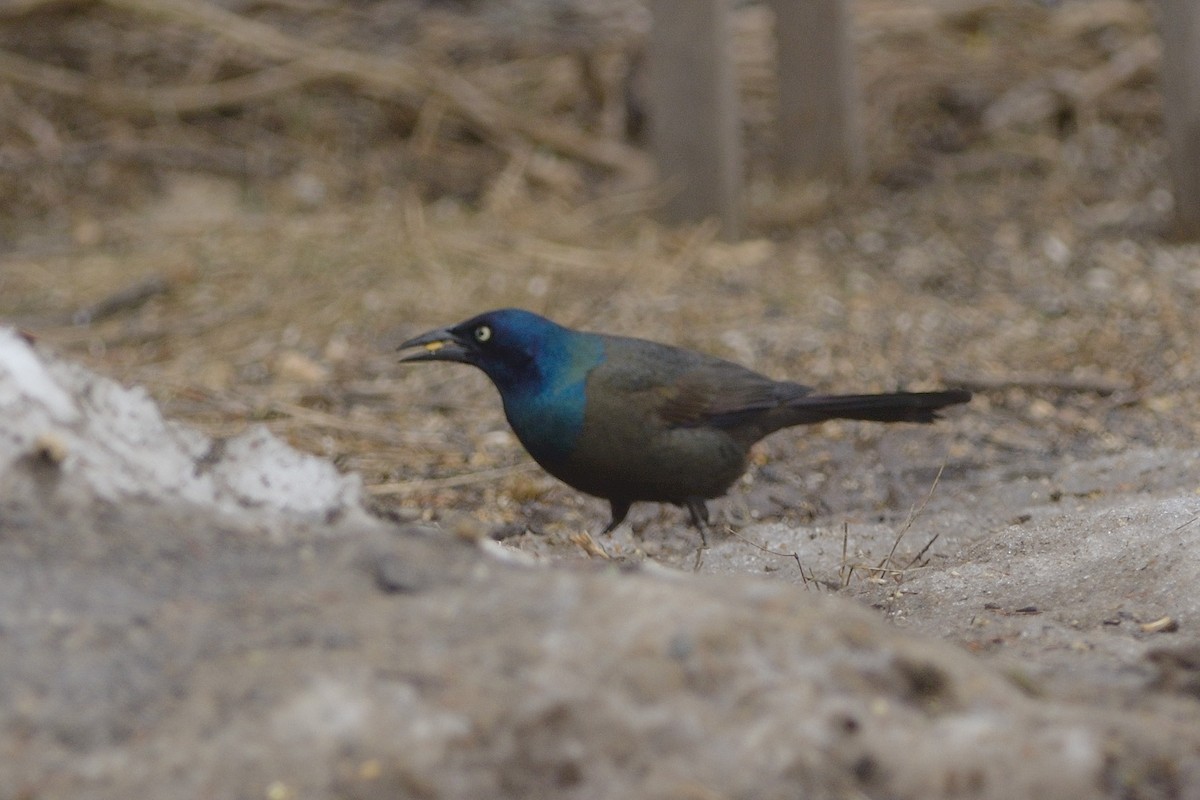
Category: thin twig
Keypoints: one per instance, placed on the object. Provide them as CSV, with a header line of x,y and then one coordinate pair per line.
x,y
377,431
845,571
11,9
763,548
130,298
1045,96
912,517
1178,528
921,553
463,479
878,572
590,546
153,100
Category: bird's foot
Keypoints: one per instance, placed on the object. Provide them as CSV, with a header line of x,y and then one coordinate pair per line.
x,y
698,510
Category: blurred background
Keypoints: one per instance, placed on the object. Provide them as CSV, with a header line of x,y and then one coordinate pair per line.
x,y
244,205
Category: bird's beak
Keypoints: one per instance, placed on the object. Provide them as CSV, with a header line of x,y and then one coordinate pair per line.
x,y
437,345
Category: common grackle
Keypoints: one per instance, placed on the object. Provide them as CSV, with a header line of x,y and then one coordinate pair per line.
x,y
629,419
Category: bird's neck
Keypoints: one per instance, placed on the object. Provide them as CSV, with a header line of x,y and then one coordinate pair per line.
x,y
547,410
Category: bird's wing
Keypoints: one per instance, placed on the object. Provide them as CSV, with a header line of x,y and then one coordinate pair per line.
x,y
722,394
683,388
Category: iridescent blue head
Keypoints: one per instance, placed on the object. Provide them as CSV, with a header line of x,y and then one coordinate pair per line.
x,y
539,367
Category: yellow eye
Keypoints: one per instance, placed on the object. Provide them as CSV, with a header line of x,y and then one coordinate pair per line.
x,y
483,333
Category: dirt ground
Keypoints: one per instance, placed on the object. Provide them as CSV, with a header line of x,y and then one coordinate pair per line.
x,y
1049,527
191,617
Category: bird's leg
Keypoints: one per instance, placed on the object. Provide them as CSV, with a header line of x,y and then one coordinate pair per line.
x,y
620,508
699,512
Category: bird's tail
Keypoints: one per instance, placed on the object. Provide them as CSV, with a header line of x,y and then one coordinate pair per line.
x,y
894,407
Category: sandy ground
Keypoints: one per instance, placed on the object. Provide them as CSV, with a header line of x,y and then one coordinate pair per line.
x,y
1046,533
188,617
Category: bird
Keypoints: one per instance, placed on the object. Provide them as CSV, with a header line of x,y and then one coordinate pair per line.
x,y
631,420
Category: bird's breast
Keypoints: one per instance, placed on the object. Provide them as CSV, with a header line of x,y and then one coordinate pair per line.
x,y
548,423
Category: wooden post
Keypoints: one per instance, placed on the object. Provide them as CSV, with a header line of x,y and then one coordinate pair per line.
x,y
1180,22
695,122
820,129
